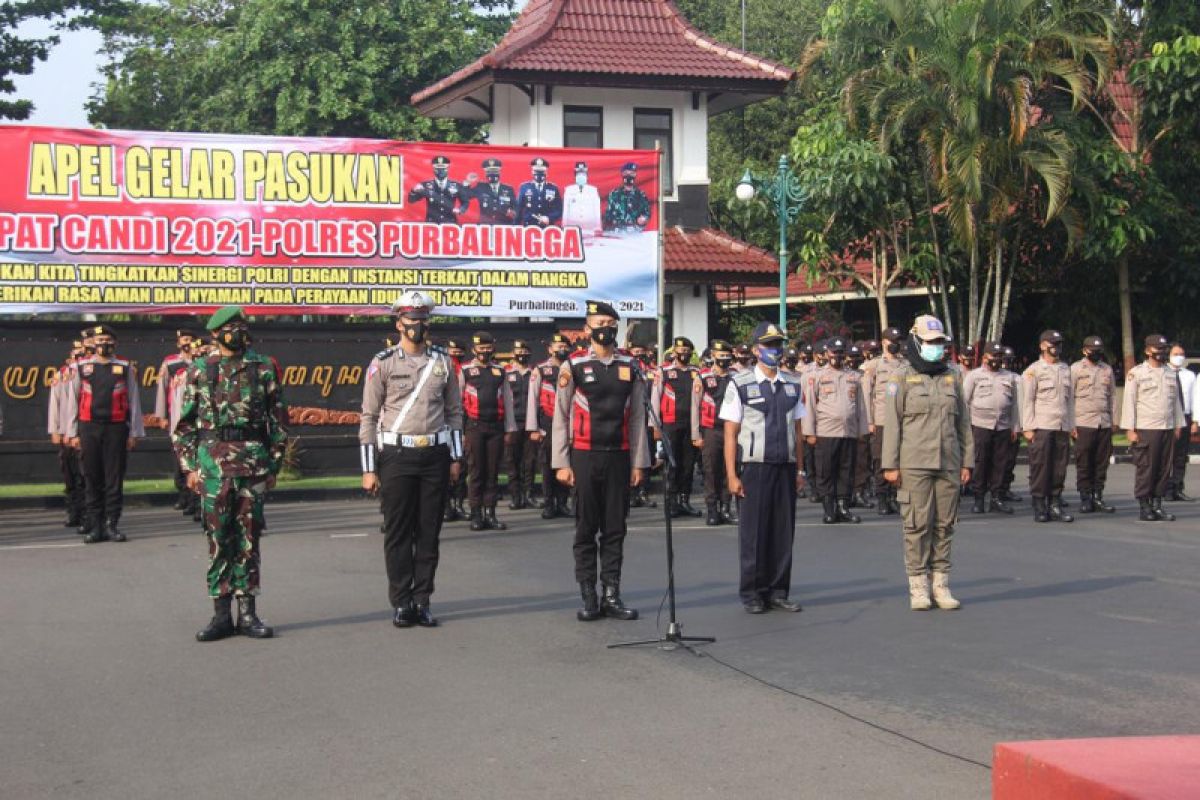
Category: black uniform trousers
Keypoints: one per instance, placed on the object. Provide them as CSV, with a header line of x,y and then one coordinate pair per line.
x,y
862,463
1010,468
103,453
882,487
766,530
810,470
522,456
485,446
1093,449
716,483
1049,453
991,459
1152,458
835,459
679,480
412,488
1179,460
601,502
71,466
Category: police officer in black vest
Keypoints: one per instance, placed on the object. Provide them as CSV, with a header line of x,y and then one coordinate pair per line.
x,y
444,199
676,398
105,423
600,449
522,451
497,201
539,421
763,444
712,430
487,416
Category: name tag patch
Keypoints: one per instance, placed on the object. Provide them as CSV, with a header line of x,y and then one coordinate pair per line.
x,y
789,389
624,373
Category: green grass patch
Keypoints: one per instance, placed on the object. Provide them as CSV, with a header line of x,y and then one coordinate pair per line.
x,y
166,485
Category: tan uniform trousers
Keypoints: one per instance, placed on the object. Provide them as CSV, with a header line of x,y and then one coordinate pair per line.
x,y
928,508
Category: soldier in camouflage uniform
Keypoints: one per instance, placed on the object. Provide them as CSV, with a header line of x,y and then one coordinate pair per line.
x,y
628,207
230,439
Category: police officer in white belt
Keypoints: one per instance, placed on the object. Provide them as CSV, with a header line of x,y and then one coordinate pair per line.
x,y
1152,416
411,443
927,450
1047,419
762,411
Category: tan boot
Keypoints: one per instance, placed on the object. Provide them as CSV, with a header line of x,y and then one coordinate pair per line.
x,y
918,593
941,592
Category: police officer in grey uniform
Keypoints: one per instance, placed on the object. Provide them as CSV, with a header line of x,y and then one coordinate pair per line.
x,y
1047,419
1152,416
762,412
836,418
444,199
876,374
990,392
411,447
927,450
1095,390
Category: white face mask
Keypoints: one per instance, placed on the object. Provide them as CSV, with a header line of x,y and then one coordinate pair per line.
x,y
1178,361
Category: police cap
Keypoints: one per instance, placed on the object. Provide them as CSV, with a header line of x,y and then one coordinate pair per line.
x,y
224,316
455,344
492,165
560,338
1051,336
629,166
742,351
929,328
768,332
192,332
870,345
720,346
791,352
807,348
539,163
835,345
969,350
520,344
98,330
440,161
892,334
683,341
413,304
601,308
993,349
1093,343
1156,340
482,337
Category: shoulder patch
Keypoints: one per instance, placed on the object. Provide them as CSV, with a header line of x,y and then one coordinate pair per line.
x,y
383,355
912,378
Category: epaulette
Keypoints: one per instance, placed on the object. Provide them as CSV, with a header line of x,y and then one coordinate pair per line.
x,y
384,355
438,350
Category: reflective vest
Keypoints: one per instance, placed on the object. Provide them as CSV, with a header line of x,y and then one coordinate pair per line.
x,y
601,403
713,386
483,392
769,414
104,392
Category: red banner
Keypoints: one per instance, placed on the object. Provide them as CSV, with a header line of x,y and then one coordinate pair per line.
x,y
108,221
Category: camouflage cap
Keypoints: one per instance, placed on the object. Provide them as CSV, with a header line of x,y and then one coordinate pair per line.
x,y
929,328
224,316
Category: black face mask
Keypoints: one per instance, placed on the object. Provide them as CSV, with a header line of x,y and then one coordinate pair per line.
x,y
893,348
235,339
539,178
560,355
105,349
1051,350
415,331
724,363
484,356
1161,355
605,335
495,178
89,351
440,173
1094,356
683,358
522,358
835,362
994,363
629,179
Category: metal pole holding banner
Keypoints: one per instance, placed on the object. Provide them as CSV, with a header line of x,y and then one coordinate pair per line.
x,y
662,260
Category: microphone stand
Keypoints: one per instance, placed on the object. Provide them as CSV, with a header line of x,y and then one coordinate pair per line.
x,y
674,637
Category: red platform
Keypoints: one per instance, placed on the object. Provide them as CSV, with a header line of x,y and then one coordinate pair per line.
x,y
1136,768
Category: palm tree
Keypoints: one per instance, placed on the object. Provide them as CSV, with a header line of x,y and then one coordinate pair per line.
x,y
980,85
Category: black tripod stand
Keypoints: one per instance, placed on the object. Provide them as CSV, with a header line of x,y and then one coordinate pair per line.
x,y
674,637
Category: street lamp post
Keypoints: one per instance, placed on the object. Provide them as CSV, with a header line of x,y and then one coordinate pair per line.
x,y
784,191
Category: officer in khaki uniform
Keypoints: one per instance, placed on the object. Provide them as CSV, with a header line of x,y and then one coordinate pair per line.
x,y
1094,387
411,448
876,374
927,448
1152,416
837,417
990,392
1047,419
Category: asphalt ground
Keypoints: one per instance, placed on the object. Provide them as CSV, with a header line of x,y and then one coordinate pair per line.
x,y
1075,630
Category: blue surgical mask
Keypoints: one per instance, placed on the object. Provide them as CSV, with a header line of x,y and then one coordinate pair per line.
x,y
770,356
933,352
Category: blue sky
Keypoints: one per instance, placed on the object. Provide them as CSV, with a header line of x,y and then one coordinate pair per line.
x,y
61,85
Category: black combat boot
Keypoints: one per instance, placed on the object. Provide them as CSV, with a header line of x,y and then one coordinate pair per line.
x,y
1146,512
714,516
1164,516
844,513
673,506
518,500
1056,510
476,519
248,623
1101,506
450,514
831,511
685,503
803,493
884,506
591,603
860,500
221,625
425,617
1178,496
815,497
1086,504
1008,496
198,510
112,531
93,531
551,508
613,607
1041,513
978,506
73,520
644,493
893,501
181,502
490,522
999,506
405,616
729,512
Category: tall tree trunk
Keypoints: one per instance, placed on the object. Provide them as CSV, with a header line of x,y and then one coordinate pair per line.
x,y
1013,260
982,314
994,322
1124,296
973,290
943,286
